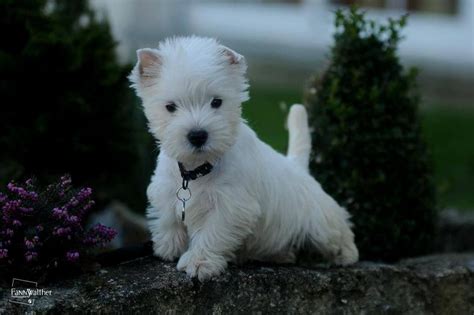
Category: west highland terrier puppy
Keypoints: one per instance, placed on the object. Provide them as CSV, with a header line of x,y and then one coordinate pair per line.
x,y
219,193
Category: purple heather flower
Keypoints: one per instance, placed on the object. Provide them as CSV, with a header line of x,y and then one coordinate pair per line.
x,y
26,210
65,180
99,235
59,213
30,256
80,197
89,205
62,231
29,244
22,192
64,185
61,206
11,205
11,187
8,232
73,219
72,256
84,193
32,195
3,253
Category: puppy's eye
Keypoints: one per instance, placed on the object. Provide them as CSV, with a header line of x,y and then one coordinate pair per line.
x,y
171,107
216,103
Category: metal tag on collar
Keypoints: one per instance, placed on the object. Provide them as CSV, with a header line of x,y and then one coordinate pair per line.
x,y
183,194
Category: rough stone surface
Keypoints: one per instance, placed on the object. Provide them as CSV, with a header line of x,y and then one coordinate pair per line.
x,y
441,284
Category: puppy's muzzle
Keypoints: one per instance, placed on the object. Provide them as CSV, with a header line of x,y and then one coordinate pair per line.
x,y
197,137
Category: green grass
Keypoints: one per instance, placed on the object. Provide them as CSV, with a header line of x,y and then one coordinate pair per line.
x,y
449,132
450,135
266,113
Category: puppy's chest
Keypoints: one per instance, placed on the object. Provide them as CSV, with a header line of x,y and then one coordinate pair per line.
x,y
197,208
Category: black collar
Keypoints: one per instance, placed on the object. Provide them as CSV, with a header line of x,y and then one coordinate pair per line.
x,y
199,171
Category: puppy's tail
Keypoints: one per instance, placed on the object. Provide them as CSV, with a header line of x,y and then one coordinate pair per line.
x,y
299,146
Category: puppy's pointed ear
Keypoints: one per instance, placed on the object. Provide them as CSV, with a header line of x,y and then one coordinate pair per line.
x,y
148,62
239,67
233,57
146,70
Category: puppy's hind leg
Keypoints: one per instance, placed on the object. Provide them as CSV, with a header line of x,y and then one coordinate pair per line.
x,y
347,252
331,234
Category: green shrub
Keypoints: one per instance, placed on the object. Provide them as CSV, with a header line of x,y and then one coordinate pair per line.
x,y
369,153
66,106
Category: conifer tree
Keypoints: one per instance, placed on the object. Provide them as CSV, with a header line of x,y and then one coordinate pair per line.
x,y
66,106
368,149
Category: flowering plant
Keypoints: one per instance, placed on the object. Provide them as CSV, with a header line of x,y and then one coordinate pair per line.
x,y
44,230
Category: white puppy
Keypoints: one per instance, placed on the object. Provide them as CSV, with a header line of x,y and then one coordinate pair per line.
x,y
255,203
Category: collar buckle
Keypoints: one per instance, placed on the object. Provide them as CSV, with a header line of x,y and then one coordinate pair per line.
x,y
200,171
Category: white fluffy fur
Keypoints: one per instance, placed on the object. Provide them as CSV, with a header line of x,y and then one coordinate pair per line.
x,y
256,203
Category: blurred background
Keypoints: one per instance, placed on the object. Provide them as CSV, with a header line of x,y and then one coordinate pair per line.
x,y
287,41
64,56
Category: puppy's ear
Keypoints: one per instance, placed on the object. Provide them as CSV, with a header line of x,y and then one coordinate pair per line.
x,y
233,57
148,62
146,70
239,67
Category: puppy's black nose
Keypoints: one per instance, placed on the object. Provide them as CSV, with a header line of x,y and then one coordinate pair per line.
x,y
197,137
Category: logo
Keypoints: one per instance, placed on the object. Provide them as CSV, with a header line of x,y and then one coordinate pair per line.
x,y
25,291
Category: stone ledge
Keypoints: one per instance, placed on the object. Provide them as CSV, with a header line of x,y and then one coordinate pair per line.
x,y
441,284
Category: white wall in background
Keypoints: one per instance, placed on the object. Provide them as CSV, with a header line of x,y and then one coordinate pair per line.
x,y
292,31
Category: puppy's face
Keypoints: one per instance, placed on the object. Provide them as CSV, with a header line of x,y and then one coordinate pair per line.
x,y
192,89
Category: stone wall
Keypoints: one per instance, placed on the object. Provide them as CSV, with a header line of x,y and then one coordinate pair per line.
x,y
437,284
442,284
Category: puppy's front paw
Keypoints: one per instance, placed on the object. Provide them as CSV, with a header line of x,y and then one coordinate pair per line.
x,y
203,267
171,245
